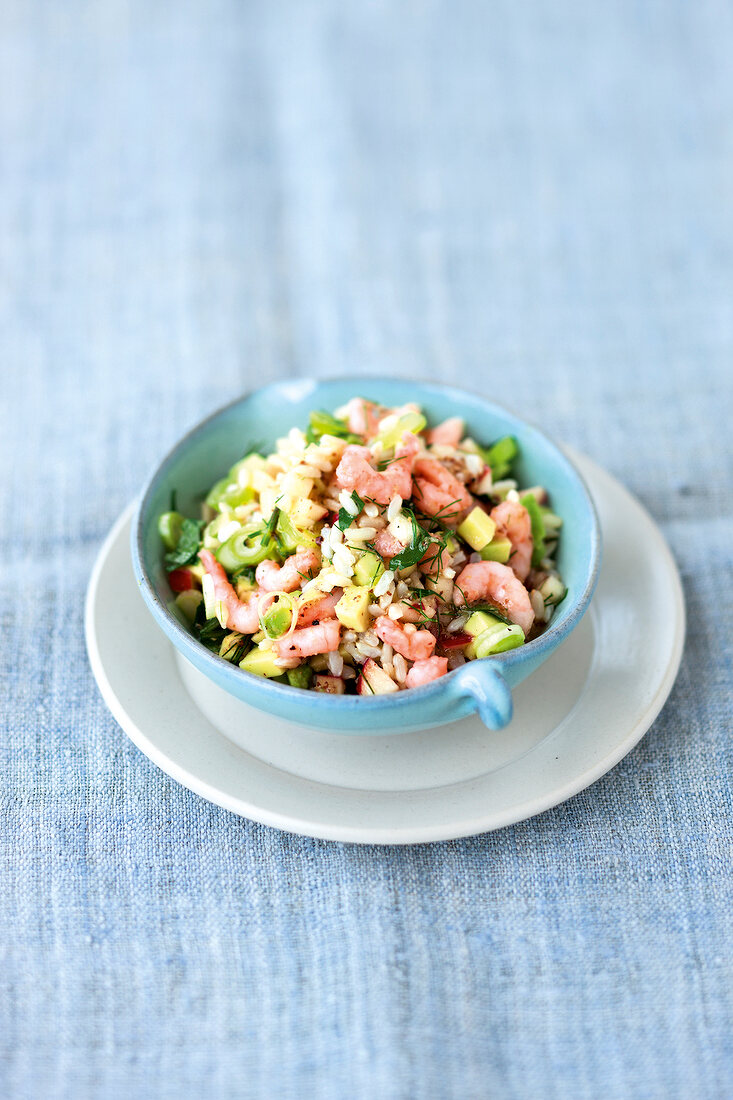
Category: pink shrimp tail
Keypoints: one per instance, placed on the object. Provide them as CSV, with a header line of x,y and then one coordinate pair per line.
x,y
447,434
323,638
272,577
241,616
422,672
414,647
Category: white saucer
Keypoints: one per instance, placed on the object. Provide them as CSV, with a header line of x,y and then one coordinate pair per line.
x,y
576,717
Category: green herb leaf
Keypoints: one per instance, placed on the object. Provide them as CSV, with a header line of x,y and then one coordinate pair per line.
x,y
268,534
188,546
345,517
412,554
323,423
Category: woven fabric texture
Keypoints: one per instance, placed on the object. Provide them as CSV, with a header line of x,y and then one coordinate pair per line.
x,y
532,199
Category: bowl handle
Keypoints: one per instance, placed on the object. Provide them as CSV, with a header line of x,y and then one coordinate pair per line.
x,y
483,684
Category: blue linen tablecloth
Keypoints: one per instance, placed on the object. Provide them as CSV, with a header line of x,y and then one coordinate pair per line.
x,y
533,199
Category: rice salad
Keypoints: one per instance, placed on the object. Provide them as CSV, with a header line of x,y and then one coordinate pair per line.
x,y
368,554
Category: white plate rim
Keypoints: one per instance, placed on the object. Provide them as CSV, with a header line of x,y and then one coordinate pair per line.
x,y
403,834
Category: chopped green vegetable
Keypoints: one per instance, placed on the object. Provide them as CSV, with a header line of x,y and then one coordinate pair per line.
x,y
538,527
410,422
498,549
300,677
289,536
170,525
500,455
276,621
246,548
498,640
187,546
323,423
368,569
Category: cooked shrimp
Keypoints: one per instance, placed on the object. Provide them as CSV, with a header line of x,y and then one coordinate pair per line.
x,y
363,417
438,492
386,544
318,611
417,646
447,434
513,523
422,672
243,616
272,577
355,472
323,638
497,584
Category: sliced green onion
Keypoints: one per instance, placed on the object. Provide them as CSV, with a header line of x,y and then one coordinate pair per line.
x,y
246,547
290,536
409,422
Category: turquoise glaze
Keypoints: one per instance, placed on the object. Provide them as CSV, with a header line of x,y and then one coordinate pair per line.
x,y
208,451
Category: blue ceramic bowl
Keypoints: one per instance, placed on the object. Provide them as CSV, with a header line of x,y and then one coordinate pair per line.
x,y
209,450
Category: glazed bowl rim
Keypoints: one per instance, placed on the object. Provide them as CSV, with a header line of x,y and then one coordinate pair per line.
x,y
257,689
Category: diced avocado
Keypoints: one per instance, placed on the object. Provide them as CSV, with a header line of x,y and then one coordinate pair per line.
x,y
300,677
368,569
353,608
479,622
187,603
231,645
169,529
261,662
477,529
497,550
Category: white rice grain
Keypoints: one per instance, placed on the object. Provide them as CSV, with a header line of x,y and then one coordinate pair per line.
x,y
394,507
360,534
384,582
387,656
457,624
368,650
449,573
327,581
395,611
538,605
335,663
400,668
371,510
347,502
